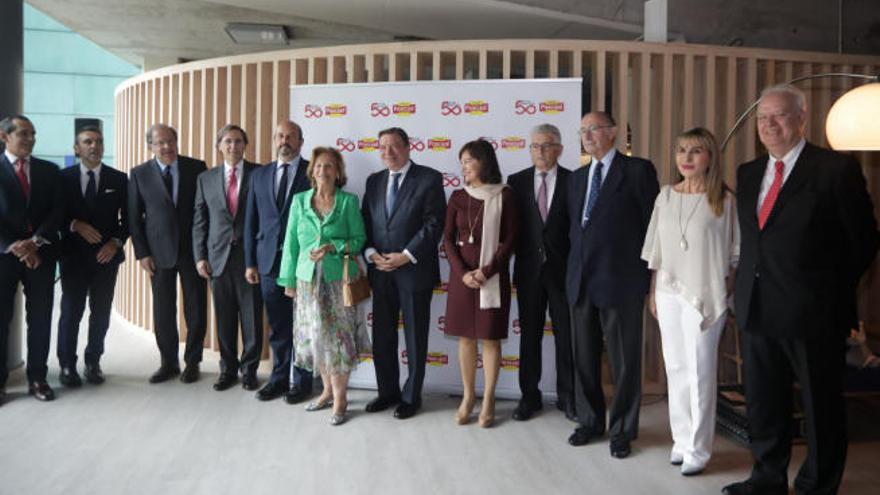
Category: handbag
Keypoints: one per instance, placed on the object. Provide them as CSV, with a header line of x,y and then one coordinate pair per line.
x,y
353,291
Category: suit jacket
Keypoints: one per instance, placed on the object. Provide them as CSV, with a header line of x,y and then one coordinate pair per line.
x,y
797,277
306,231
605,257
215,231
159,228
109,214
40,215
416,225
265,226
540,245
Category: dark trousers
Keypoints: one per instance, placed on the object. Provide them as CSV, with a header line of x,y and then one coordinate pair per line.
x,y
195,302
621,327
279,311
388,301
770,365
38,293
81,279
533,301
236,301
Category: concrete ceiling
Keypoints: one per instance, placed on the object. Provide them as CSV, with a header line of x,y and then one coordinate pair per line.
x,y
152,33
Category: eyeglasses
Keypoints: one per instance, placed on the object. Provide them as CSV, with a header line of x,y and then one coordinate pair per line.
x,y
543,147
593,128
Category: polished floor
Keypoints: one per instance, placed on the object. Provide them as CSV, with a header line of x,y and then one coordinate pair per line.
x,y
129,437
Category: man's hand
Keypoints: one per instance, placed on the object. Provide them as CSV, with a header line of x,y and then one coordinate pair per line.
x,y
23,248
252,275
107,252
389,262
147,264
87,232
203,268
32,260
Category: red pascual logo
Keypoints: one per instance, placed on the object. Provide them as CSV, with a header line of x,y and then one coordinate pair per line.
x,y
442,251
437,359
476,107
450,108
379,109
524,107
368,144
490,140
440,143
404,108
441,322
345,145
442,289
548,327
479,360
416,144
451,180
313,111
517,329
336,110
551,106
370,319
403,359
510,363
513,143
365,356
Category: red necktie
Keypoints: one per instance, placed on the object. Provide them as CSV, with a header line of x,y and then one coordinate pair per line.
x,y
232,193
772,194
22,178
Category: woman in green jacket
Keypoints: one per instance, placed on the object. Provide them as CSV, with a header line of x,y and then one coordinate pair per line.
x,y
324,222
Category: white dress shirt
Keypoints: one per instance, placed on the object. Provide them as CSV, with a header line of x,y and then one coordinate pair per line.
x,y
84,177
370,251
770,172
291,173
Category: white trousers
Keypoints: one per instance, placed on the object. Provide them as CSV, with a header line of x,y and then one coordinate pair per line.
x,y
691,358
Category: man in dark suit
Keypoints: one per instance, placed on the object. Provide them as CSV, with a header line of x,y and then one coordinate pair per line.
x,y
268,204
161,195
610,204
541,194
30,213
404,209
94,230
218,229
808,233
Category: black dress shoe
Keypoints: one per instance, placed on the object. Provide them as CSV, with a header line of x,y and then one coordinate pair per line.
x,y
164,373
749,487
2,395
41,391
405,410
94,374
70,378
525,410
249,382
190,373
381,403
271,390
581,436
620,448
296,395
224,381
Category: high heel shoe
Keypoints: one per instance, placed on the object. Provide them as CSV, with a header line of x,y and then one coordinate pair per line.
x,y
463,416
487,413
318,405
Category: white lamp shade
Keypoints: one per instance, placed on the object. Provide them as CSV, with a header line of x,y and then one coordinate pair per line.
x,y
853,122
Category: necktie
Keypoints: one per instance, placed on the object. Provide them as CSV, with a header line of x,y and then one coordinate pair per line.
x,y
772,194
232,193
595,185
281,195
22,178
392,193
90,189
542,197
169,182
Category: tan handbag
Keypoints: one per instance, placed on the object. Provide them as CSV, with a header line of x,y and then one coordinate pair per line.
x,y
353,291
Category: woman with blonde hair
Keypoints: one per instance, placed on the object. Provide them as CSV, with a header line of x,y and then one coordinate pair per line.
x,y
692,246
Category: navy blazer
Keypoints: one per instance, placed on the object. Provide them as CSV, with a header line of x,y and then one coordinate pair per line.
x,y
416,225
605,257
109,215
265,226
41,215
797,277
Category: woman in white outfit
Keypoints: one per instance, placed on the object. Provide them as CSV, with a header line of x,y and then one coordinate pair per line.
x,y
692,246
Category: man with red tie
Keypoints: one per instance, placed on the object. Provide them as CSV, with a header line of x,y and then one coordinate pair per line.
x,y
808,233
30,214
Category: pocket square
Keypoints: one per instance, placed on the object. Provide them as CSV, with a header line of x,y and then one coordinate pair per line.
x,y
108,191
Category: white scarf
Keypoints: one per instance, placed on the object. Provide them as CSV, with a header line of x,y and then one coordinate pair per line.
x,y
490,194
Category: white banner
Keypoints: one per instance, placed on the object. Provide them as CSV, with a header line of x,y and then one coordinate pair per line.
x,y
440,117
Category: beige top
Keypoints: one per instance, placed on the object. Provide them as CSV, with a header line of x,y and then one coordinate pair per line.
x,y
692,249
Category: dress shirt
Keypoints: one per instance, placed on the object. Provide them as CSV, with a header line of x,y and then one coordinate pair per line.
x,y
84,177
227,172
291,173
38,240
770,172
606,162
175,180
371,250
551,184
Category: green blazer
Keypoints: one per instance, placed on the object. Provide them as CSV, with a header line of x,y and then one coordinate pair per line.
x,y
306,231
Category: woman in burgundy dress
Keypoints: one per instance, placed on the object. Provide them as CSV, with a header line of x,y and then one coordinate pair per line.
x,y
479,238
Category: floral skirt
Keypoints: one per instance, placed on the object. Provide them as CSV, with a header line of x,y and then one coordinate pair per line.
x,y
326,333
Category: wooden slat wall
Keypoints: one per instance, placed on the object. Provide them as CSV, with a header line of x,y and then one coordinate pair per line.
x,y
656,90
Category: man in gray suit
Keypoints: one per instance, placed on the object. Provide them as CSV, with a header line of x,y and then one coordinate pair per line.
x,y
161,193
218,228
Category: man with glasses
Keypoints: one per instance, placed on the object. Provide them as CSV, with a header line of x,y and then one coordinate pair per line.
x,y
610,204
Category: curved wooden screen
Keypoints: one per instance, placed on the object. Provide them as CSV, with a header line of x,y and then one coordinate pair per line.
x,y
653,90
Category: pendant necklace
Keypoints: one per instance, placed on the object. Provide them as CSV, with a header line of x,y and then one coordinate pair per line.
x,y
472,224
683,229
